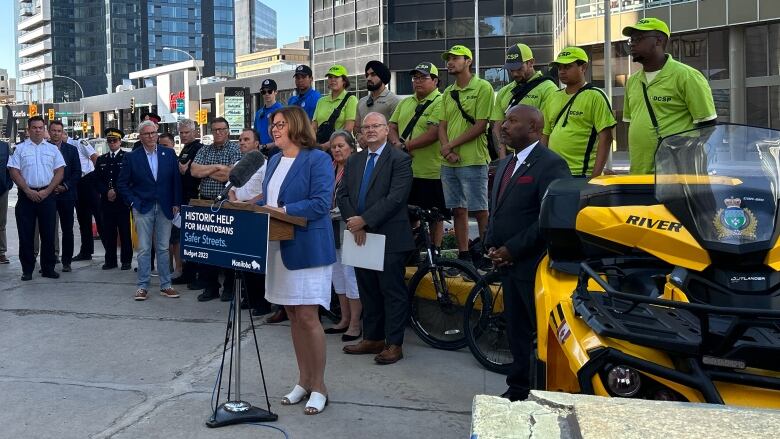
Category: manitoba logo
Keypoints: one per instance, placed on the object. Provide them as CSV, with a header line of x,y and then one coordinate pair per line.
x,y
735,221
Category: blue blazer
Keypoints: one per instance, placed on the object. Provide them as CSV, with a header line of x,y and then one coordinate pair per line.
x,y
72,172
138,187
307,191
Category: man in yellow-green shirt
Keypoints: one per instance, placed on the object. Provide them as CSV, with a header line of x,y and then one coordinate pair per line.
x,y
414,127
678,96
578,120
465,110
528,87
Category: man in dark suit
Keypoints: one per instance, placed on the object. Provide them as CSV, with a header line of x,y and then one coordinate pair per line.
x,y
513,239
150,184
116,215
373,199
5,185
66,191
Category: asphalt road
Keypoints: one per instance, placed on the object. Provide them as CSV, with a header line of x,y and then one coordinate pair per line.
x,y
79,358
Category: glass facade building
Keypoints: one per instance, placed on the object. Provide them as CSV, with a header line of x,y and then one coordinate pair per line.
x,y
255,27
403,33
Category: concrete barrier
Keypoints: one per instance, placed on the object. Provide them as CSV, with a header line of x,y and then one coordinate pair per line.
x,y
561,415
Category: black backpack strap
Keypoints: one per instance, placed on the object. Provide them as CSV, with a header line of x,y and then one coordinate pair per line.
x,y
418,112
337,112
593,137
521,90
456,96
653,119
565,109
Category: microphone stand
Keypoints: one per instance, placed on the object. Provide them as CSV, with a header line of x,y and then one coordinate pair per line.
x,y
235,410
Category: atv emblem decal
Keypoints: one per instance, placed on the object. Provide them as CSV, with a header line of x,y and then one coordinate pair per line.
x,y
735,221
563,332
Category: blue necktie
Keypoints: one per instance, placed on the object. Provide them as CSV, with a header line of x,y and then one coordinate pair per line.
x,y
364,183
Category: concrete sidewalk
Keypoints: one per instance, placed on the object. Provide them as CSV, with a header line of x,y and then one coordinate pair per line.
x,y
79,358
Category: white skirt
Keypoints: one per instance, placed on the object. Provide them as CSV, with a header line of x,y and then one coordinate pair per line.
x,y
307,286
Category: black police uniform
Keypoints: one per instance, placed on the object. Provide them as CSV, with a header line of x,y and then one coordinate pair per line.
x,y
116,214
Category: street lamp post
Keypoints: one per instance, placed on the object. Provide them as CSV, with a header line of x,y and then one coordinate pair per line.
x,y
81,101
199,79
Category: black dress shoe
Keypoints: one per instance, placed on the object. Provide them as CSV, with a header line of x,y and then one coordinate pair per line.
x,y
261,311
226,296
126,266
107,266
66,268
336,330
244,304
80,257
346,338
195,285
51,274
26,276
207,295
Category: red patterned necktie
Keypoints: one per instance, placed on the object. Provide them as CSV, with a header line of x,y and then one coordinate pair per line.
x,y
508,171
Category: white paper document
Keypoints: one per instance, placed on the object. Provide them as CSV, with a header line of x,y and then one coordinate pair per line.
x,y
370,255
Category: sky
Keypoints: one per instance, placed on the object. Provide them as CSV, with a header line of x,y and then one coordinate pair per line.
x,y
290,24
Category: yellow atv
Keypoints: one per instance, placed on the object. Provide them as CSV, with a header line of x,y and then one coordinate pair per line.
x,y
667,287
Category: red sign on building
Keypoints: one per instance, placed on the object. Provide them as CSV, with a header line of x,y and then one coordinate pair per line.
x,y
174,97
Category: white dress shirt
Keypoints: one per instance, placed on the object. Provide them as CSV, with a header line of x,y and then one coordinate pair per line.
x,y
85,152
151,157
36,163
522,155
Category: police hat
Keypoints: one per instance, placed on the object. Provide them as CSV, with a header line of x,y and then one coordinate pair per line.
x,y
113,132
268,84
303,69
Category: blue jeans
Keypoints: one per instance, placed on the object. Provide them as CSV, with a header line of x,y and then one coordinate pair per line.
x,y
149,225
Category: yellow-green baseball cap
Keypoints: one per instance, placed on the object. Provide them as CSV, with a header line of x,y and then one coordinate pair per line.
x,y
517,55
426,68
647,24
570,55
457,50
337,70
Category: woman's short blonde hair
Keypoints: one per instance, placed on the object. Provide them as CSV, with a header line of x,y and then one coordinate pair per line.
x,y
299,127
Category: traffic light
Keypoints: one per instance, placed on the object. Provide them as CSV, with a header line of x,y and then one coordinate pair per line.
x,y
32,110
83,128
132,105
202,117
51,114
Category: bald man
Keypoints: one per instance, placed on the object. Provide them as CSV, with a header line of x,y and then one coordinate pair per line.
x,y
513,240
372,198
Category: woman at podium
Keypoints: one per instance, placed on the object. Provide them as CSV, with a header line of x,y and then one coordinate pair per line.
x,y
299,182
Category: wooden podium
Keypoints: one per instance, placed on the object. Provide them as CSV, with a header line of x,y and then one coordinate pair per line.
x,y
281,227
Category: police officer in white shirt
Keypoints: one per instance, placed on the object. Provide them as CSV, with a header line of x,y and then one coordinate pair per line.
x,y
37,167
88,202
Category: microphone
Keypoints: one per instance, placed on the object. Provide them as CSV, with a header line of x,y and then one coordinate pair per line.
x,y
243,171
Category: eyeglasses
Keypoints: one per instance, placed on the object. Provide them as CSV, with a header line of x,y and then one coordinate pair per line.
x,y
635,40
267,92
420,78
278,125
153,133
219,130
372,127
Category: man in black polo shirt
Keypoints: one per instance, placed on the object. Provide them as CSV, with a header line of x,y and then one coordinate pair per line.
x,y
188,134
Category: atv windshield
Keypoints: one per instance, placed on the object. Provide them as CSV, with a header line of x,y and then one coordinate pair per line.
x,y
721,182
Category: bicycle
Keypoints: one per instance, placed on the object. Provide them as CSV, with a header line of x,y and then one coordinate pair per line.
x,y
437,300
485,326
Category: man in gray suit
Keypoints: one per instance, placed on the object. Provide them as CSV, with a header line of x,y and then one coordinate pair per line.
x,y
372,198
513,239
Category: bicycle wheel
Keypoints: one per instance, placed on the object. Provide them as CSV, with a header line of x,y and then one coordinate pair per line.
x,y
485,325
437,302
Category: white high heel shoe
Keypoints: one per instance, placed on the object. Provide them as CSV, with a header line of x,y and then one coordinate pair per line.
x,y
296,396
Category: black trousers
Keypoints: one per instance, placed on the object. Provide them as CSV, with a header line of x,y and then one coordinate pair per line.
x,y
28,213
87,206
209,276
521,323
116,222
65,209
385,300
255,290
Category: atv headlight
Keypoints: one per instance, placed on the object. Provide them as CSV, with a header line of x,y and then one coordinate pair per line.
x,y
624,381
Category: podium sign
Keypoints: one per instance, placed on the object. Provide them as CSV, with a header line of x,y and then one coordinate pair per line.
x,y
234,239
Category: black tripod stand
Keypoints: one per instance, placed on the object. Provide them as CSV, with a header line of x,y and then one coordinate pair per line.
x,y
235,410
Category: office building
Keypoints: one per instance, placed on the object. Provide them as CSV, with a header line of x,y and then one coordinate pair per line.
x,y
734,43
404,32
99,42
255,27
270,61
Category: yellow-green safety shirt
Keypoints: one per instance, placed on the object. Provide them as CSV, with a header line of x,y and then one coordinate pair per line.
x,y
426,161
477,101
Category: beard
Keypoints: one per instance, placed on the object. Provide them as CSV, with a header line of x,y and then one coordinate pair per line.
x,y
373,87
